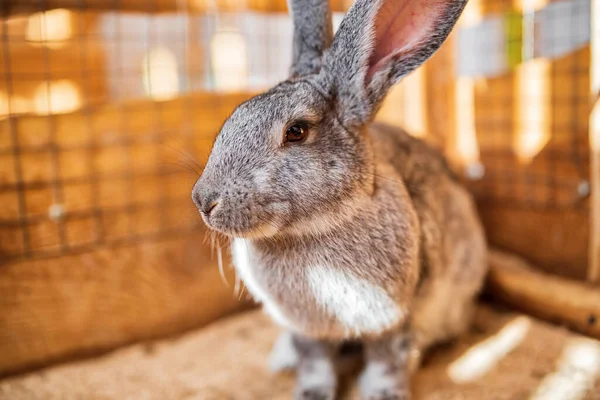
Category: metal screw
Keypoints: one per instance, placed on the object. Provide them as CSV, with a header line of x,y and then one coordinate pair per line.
x,y
475,171
56,212
583,189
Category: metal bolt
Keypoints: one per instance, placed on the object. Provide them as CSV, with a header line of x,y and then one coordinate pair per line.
x,y
475,171
583,189
56,212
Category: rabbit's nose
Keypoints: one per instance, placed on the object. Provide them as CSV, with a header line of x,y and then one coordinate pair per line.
x,y
206,202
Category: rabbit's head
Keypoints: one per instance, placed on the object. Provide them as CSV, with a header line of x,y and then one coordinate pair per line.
x,y
296,159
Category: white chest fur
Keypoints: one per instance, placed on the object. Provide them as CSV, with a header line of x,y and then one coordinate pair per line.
x,y
242,260
358,305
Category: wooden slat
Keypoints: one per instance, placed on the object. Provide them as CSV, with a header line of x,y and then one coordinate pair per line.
x,y
505,355
279,6
555,241
117,290
440,91
83,304
593,274
594,269
112,158
557,299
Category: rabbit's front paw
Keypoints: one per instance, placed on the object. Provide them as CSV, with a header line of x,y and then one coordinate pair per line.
x,y
380,381
315,393
391,394
316,381
316,375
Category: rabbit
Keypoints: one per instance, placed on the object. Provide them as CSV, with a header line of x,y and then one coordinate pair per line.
x,y
347,231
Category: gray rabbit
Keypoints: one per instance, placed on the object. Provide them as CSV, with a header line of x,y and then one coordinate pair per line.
x,y
346,230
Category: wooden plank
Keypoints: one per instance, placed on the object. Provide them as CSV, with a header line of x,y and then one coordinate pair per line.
x,y
82,304
105,296
556,241
533,205
594,270
440,90
506,355
103,153
594,248
560,300
157,6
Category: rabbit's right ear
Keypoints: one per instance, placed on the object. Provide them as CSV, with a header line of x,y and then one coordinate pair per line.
x,y
378,43
313,33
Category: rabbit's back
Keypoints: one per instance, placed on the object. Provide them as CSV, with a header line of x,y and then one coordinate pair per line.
x,y
453,248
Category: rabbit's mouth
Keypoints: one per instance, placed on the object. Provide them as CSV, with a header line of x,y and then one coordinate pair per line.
x,y
241,222
260,231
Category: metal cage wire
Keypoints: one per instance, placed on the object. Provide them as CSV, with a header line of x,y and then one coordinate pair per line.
x,y
89,129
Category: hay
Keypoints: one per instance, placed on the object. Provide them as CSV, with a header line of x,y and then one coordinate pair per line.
x,y
227,360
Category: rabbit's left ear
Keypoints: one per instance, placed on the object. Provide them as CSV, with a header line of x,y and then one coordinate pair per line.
x,y
378,43
313,33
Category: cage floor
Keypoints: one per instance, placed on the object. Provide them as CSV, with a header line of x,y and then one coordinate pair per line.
x,y
504,356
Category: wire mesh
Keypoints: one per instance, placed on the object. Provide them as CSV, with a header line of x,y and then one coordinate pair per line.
x,y
105,118
105,108
531,102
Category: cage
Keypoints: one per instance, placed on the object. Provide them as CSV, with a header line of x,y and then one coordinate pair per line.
x,y
108,110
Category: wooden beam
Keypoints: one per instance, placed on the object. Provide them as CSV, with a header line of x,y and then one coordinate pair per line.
x,y
594,268
556,241
130,285
63,308
557,299
157,6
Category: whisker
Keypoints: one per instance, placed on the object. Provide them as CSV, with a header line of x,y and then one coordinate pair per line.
x,y
185,154
212,244
241,285
268,222
242,289
386,178
406,184
265,236
206,233
181,162
271,225
220,264
236,286
185,166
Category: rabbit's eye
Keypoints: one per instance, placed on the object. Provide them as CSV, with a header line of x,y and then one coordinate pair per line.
x,y
296,133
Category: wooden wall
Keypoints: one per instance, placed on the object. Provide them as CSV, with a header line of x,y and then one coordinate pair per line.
x,y
20,6
85,303
100,244
121,258
537,207
126,261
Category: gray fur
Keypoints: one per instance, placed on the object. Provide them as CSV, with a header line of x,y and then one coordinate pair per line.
x,y
348,69
313,33
359,233
386,375
317,378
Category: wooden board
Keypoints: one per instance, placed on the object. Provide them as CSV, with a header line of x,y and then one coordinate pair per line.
x,y
536,207
594,270
81,304
554,241
107,167
20,6
560,300
507,355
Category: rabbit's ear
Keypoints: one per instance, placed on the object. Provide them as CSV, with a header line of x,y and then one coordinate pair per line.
x,y
313,33
378,43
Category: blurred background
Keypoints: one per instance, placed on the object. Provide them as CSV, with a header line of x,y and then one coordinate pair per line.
x,y
108,110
